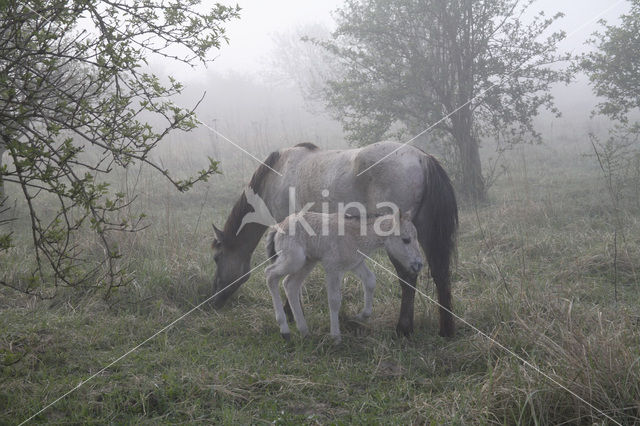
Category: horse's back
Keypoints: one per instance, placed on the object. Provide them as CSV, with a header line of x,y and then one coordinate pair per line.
x,y
392,172
380,172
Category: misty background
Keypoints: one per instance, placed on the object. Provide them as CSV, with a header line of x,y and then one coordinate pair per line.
x,y
114,257
256,103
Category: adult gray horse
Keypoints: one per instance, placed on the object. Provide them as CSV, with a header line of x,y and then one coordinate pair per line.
x,y
405,176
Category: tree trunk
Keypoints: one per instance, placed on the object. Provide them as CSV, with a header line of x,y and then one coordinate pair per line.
x,y
460,47
472,182
4,208
2,150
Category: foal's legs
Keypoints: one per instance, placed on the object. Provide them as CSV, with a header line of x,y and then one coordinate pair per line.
x,y
273,282
287,310
292,286
368,279
334,294
286,263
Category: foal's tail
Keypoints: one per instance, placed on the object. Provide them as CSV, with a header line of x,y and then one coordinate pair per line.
x,y
271,245
437,223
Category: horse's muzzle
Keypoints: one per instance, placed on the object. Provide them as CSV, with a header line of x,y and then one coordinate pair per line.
x,y
416,267
224,292
221,295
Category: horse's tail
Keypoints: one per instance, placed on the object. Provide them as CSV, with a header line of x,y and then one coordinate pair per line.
x,y
271,245
437,223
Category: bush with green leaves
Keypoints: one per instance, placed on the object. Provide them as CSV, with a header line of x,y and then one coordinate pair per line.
x,y
613,68
76,102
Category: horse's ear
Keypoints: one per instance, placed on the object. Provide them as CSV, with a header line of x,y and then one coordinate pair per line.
x,y
408,215
218,234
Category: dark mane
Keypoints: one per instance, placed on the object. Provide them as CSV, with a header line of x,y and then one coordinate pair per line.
x,y
242,207
308,145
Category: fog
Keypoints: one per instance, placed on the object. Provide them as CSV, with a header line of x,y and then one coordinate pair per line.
x,y
253,103
112,279
251,37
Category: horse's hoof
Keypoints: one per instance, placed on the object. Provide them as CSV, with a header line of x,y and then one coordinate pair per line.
x,y
447,332
286,336
361,318
404,330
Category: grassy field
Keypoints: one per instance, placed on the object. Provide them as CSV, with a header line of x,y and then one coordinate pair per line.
x,y
535,271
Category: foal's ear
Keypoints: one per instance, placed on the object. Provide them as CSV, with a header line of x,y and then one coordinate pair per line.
x,y
218,236
408,215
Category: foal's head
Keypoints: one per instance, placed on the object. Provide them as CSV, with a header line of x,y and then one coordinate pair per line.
x,y
403,244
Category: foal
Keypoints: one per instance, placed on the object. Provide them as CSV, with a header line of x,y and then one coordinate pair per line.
x,y
337,249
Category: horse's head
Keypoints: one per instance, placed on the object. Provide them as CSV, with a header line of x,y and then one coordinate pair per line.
x,y
232,267
403,245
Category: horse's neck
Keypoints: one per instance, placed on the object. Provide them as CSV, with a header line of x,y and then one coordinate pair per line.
x,y
250,232
249,237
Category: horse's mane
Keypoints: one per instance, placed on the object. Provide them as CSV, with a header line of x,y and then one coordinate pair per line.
x,y
310,146
242,207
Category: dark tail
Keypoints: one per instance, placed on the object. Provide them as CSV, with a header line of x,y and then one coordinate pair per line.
x,y
437,223
271,245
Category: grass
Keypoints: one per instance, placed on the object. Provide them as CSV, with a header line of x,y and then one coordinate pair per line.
x,y
534,272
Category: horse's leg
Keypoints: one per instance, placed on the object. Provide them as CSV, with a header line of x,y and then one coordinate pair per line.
x,y
292,286
273,282
368,279
405,320
441,277
334,294
439,261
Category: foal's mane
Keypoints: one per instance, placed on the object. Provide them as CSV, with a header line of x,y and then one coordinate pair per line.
x,y
242,207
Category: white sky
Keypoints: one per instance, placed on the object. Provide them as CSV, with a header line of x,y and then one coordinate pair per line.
x,y
251,36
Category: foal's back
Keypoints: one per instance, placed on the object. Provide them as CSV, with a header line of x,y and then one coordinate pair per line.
x,y
336,241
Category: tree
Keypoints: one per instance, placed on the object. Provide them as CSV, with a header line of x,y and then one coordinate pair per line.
x,y
76,102
408,63
307,65
614,68
5,219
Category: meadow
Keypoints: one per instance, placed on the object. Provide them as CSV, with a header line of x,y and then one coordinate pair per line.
x,y
538,270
